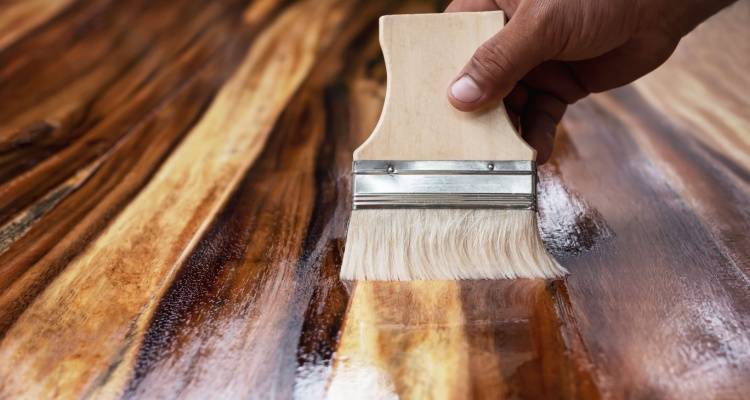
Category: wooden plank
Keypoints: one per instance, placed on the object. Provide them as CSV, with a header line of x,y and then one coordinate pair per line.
x,y
278,289
33,251
189,244
77,111
660,291
119,275
447,340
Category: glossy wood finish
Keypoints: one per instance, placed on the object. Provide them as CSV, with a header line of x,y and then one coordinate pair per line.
x,y
174,194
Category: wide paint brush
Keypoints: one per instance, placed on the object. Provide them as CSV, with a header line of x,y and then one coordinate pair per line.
x,y
438,193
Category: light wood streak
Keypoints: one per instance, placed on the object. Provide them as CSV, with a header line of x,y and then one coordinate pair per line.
x,y
18,17
403,340
681,89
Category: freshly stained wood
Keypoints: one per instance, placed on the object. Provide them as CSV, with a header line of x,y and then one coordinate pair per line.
x,y
174,194
118,274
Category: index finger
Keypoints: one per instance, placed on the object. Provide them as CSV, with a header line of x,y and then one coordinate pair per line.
x,y
471,5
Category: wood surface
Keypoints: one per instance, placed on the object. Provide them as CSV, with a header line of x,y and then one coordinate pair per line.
x,y
422,55
174,193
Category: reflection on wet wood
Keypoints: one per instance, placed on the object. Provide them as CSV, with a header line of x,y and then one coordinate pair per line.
x,y
174,196
460,339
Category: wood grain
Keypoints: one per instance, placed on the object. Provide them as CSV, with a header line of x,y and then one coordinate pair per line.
x,y
18,17
174,194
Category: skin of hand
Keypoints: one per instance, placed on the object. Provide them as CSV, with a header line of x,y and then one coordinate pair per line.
x,y
552,53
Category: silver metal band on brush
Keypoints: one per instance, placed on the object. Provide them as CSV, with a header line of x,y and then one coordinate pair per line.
x,y
444,184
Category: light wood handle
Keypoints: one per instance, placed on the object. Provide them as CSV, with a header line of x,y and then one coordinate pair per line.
x,y
423,53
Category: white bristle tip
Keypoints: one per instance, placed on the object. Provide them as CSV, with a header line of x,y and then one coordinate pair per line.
x,y
445,244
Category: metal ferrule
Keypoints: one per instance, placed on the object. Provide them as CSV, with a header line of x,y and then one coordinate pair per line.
x,y
444,184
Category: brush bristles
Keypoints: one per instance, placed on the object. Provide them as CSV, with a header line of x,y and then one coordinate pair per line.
x,y
445,244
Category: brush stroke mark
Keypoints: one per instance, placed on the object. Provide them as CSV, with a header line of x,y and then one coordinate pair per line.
x,y
568,224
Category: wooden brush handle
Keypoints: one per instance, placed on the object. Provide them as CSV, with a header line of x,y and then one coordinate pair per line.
x,y
423,53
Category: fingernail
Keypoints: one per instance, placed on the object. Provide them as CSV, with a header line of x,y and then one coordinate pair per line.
x,y
466,90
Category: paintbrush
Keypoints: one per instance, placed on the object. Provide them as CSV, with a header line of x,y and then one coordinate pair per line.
x,y
438,193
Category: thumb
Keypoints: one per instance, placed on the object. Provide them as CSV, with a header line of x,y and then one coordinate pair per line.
x,y
498,64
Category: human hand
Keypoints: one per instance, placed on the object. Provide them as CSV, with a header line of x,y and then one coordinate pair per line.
x,y
555,52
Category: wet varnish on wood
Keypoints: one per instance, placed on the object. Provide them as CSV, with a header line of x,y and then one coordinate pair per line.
x,y
174,193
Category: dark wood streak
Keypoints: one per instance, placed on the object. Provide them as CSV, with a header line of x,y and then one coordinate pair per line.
x,y
128,87
702,311
328,301
323,316
648,212
240,266
723,183
317,298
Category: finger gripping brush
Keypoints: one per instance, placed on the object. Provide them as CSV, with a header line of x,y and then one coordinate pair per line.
x,y
439,194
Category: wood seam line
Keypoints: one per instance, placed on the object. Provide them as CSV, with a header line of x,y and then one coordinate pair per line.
x,y
573,341
23,221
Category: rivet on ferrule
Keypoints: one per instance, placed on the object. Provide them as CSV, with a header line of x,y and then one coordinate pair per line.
x,y
444,184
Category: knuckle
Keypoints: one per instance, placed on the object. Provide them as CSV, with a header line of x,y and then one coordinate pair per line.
x,y
491,60
544,11
545,22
